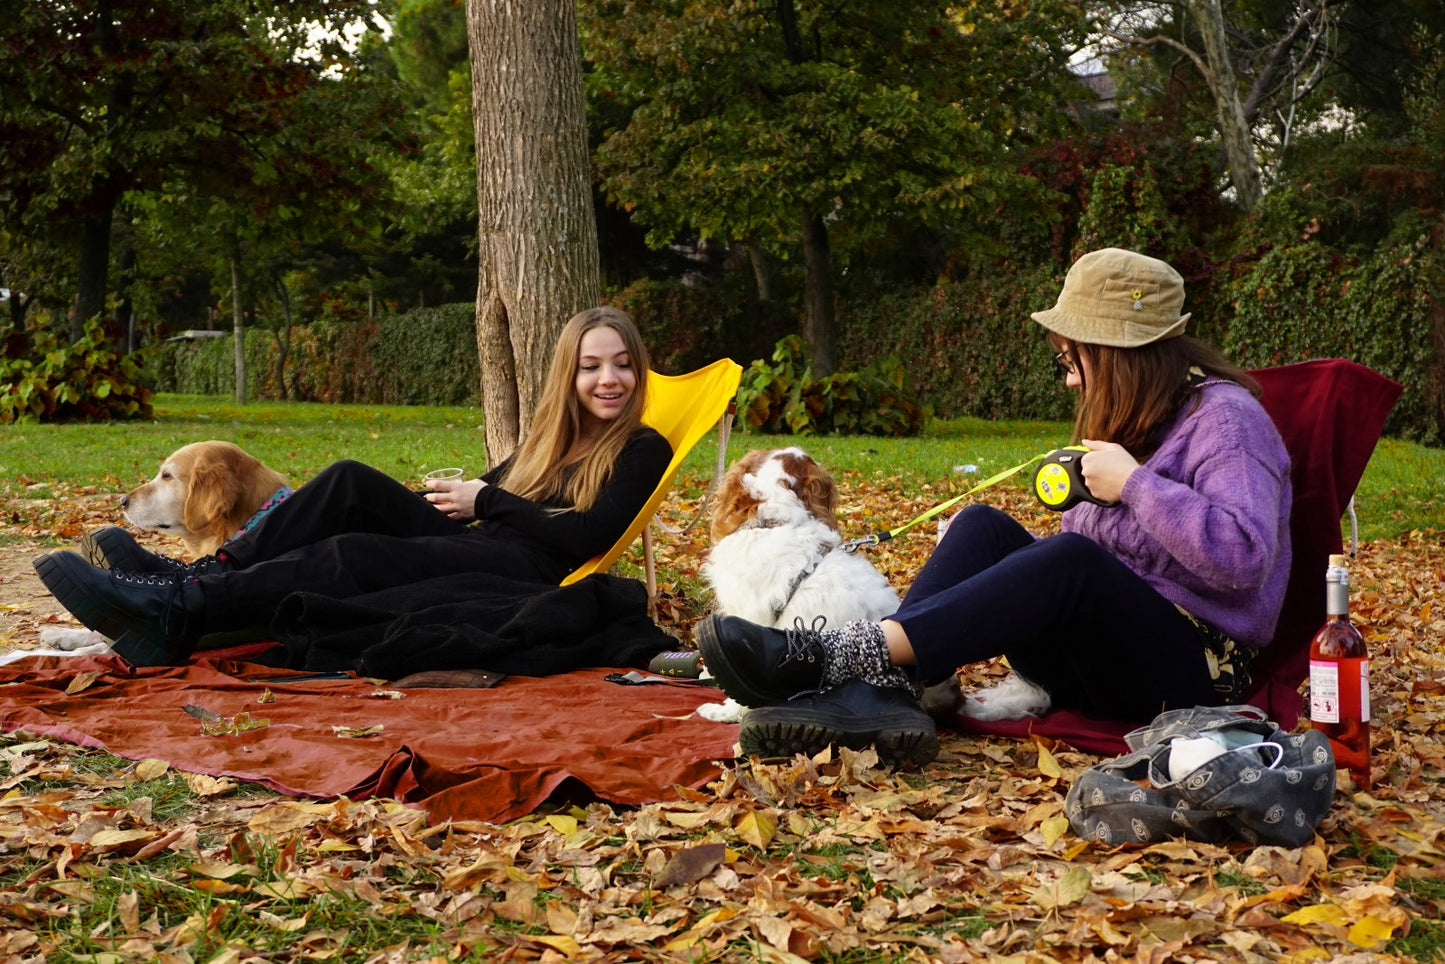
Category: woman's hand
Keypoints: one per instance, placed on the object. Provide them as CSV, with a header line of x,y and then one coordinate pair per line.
x,y
456,498
1106,467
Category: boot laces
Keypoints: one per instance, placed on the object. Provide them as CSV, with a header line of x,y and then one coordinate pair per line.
x,y
175,619
804,641
157,580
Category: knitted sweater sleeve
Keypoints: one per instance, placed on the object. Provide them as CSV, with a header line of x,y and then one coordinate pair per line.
x,y
1205,519
582,535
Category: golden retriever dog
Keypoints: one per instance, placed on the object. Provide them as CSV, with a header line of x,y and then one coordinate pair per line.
x,y
204,493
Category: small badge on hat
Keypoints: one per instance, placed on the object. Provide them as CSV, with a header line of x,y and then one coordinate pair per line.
x,y
1138,294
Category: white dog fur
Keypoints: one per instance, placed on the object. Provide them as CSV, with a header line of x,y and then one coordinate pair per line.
x,y
776,555
1011,699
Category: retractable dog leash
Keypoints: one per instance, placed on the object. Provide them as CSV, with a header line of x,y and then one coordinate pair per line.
x,y
1058,484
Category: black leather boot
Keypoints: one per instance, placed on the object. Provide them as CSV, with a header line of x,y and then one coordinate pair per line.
x,y
114,548
151,618
854,714
756,665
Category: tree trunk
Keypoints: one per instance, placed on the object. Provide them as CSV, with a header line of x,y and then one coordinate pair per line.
x,y
126,267
1233,127
817,295
537,230
759,259
283,339
238,328
93,269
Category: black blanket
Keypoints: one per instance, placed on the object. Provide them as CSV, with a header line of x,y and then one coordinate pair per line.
x,y
469,621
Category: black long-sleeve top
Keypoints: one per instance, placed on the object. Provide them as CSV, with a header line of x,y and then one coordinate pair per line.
x,y
571,538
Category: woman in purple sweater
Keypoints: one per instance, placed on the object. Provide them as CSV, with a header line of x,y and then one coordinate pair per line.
x,y
1155,602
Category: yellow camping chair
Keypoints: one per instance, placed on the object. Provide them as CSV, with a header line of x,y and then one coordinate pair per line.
x,y
682,408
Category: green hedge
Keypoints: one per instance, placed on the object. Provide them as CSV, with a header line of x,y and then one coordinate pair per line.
x,y
424,357
688,324
973,350
1309,301
970,346
429,356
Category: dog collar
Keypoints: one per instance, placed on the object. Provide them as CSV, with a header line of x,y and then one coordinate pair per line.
x,y
277,497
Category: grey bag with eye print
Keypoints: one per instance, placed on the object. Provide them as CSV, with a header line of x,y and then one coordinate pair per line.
x,y
1221,774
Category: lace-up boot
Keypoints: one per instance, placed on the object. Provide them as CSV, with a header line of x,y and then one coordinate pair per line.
x,y
151,618
114,548
757,665
854,714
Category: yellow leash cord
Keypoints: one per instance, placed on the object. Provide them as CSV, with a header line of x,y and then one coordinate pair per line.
x,y
878,537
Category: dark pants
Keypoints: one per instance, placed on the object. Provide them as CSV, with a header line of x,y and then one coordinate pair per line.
x,y
352,530
1068,615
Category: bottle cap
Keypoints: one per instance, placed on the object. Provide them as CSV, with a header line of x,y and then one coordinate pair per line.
x,y
1339,559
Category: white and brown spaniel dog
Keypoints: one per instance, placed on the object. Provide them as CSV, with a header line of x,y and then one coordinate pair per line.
x,y
776,553
205,493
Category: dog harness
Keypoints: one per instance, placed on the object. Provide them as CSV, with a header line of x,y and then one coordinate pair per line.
x,y
798,580
802,576
277,497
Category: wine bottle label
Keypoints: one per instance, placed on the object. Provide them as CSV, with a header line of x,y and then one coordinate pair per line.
x,y
1339,690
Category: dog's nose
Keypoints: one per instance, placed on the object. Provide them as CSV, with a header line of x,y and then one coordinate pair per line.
x,y
125,502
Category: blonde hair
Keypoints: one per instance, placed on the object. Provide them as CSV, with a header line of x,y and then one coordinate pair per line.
x,y
540,469
1130,395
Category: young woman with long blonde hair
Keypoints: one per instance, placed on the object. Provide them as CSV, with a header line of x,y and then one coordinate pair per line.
x,y
570,490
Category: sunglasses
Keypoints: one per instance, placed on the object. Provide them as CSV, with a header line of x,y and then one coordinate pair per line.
x,y
1065,360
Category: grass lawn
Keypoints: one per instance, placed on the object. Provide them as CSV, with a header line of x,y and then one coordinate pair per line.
x,y
1397,494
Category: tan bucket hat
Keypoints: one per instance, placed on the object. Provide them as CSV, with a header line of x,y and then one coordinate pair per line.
x,y
1119,298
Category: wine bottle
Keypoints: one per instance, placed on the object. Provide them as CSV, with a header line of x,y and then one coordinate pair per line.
x,y
1340,679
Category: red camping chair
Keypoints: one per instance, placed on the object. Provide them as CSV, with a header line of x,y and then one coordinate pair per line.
x,y
1330,413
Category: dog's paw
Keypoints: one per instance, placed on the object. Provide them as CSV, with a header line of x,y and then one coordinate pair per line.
x,y
728,711
78,642
1012,699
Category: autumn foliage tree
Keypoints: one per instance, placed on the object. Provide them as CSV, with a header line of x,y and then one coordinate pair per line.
x,y
103,98
774,124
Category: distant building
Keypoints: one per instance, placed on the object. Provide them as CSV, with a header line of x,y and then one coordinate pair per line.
x,y
1104,88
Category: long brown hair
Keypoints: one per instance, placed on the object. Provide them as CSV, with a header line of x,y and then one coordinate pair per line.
x,y
1131,394
548,466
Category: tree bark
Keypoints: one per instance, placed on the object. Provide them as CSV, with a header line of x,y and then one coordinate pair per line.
x,y
761,273
537,230
126,267
93,269
817,295
1233,127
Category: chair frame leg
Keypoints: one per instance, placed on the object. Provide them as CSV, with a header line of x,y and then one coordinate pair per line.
x,y
651,566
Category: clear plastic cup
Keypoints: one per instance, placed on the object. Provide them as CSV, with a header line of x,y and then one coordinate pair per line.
x,y
438,475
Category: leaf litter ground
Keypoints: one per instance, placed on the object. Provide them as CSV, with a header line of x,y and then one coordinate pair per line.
x,y
833,858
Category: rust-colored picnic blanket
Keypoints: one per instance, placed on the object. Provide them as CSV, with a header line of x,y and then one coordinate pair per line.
x,y
467,754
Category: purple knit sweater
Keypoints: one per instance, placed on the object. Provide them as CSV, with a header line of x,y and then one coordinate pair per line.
x,y
1205,520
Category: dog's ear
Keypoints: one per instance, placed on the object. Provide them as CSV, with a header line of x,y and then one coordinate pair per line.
x,y
214,489
733,505
815,488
